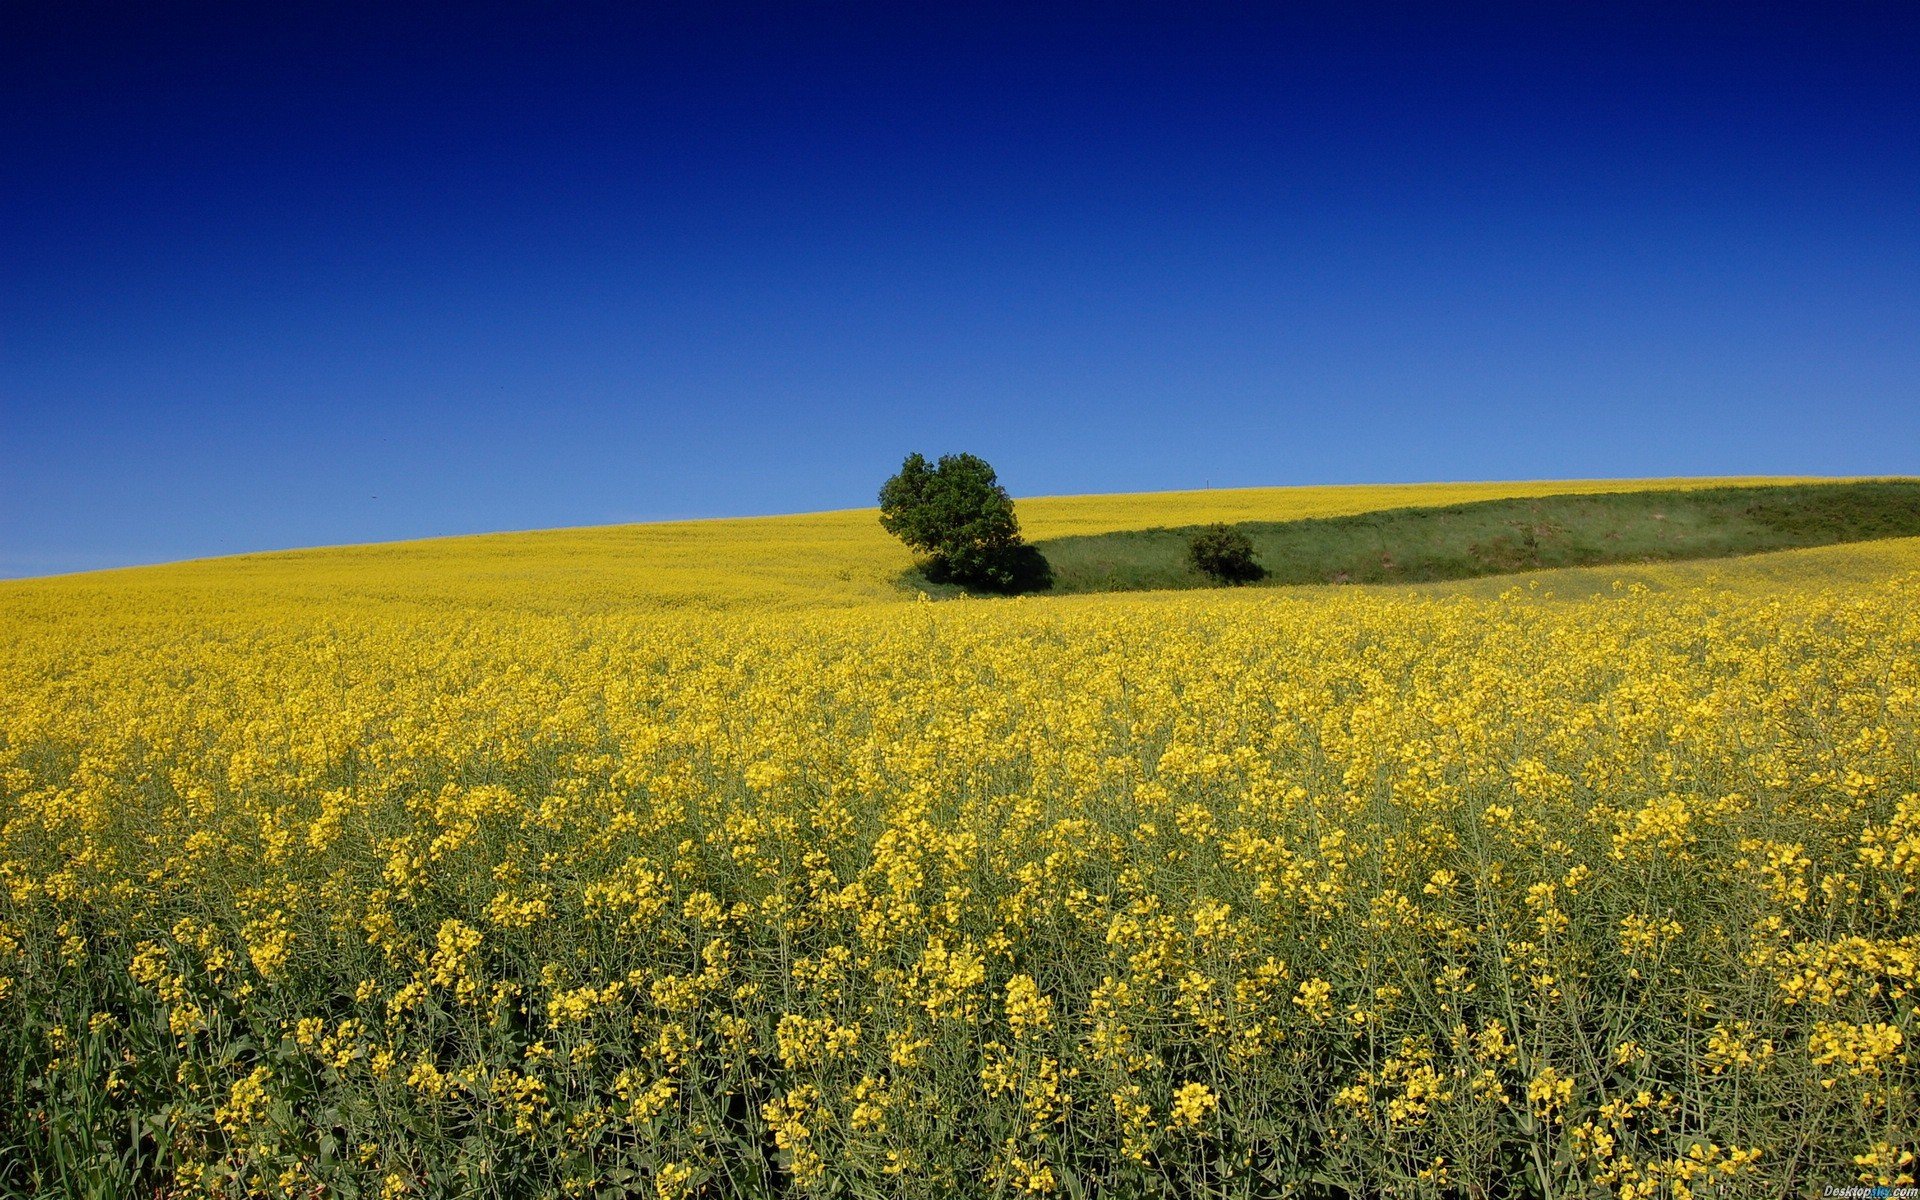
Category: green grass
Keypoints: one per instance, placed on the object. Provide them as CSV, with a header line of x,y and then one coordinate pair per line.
x,y
1500,537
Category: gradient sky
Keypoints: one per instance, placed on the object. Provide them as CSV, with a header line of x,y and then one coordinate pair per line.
x,y
293,274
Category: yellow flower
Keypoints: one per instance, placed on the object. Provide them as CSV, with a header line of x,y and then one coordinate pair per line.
x,y
1314,998
674,1181
246,1104
1193,1105
1549,1093
1028,1010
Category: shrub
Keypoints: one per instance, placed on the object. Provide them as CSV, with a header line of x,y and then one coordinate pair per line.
x,y
956,513
1224,555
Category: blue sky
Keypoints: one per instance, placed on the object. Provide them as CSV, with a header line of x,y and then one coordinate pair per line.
x,y
284,275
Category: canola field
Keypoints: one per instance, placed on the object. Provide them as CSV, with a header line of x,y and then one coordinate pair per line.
x,y
697,860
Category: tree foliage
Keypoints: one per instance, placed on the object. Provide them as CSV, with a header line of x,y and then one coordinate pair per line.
x,y
956,513
1224,555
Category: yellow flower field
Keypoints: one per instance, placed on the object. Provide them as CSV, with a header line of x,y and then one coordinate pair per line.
x,y
698,860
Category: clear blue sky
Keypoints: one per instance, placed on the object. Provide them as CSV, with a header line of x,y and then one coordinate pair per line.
x,y
278,275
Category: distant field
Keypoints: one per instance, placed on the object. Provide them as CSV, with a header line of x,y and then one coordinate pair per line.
x,y
704,861
1502,536
806,560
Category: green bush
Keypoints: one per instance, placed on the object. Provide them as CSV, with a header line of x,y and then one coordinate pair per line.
x,y
1223,554
957,514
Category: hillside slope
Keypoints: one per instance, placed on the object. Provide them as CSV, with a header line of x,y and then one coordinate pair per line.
x,y
784,562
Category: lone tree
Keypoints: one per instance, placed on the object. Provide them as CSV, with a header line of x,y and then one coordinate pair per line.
x,y
1224,555
957,514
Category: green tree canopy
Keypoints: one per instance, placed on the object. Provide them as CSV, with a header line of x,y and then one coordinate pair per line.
x,y
956,513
